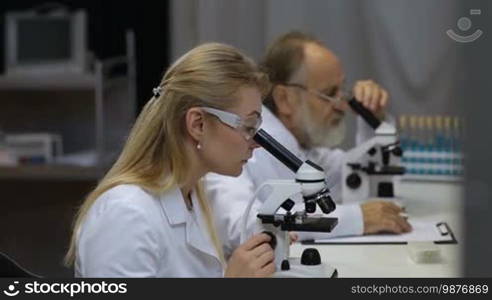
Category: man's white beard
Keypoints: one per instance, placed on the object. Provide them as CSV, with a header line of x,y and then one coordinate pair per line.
x,y
321,135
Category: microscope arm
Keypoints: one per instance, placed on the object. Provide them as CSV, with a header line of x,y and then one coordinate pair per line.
x,y
281,190
309,176
373,157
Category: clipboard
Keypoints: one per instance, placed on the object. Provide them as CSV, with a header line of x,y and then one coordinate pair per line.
x,y
445,230
437,232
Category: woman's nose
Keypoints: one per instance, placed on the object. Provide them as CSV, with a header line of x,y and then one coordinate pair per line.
x,y
253,144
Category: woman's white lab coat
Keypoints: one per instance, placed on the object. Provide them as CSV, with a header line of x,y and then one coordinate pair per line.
x,y
129,232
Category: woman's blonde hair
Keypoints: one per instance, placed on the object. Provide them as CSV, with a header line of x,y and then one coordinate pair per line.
x,y
154,155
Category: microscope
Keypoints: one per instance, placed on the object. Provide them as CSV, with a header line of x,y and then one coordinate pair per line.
x,y
371,169
310,184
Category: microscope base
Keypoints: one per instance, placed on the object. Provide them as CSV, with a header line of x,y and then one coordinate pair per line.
x,y
302,271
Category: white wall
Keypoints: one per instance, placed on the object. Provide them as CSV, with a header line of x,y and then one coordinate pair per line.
x,y
400,43
238,22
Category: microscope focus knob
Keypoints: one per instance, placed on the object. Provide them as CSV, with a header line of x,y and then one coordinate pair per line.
x,y
353,181
397,151
285,265
372,151
288,204
310,257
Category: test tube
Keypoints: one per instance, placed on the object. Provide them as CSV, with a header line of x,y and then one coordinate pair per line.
x,y
439,142
457,165
430,146
421,158
413,133
403,132
429,133
411,154
421,133
448,146
438,138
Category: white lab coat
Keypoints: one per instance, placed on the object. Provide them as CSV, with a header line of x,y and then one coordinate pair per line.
x,y
129,232
230,196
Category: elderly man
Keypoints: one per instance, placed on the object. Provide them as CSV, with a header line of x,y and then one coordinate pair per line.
x,y
305,114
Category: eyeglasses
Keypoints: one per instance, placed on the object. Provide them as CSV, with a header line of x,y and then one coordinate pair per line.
x,y
248,127
345,95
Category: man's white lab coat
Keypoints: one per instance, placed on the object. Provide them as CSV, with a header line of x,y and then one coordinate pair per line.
x,y
230,195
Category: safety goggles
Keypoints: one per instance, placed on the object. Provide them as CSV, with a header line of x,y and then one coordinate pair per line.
x,y
246,126
344,95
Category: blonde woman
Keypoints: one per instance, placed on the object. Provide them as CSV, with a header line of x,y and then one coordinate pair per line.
x,y
148,217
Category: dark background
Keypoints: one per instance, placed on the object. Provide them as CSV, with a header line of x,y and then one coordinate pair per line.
x,y
36,214
107,22
477,104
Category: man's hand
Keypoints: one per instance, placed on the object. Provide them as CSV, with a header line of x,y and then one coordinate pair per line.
x,y
372,96
383,216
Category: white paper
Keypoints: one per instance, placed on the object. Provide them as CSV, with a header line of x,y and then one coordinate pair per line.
x,y
421,231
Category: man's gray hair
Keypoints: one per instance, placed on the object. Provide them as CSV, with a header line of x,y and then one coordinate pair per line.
x,y
283,59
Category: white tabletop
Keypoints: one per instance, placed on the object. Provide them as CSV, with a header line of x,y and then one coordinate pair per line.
x,y
423,201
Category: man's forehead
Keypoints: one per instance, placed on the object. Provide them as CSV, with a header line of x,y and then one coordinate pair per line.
x,y
315,53
322,65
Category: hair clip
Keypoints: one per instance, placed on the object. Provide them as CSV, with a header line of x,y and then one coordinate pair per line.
x,y
157,91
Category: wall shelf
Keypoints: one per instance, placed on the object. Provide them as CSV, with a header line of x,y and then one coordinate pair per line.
x,y
65,81
92,112
51,172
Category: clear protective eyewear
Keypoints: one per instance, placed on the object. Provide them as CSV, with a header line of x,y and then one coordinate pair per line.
x,y
248,127
344,94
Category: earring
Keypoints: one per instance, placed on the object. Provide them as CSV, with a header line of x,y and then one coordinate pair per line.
x,y
199,146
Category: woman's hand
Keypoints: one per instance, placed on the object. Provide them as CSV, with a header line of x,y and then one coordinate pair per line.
x,y
254,258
